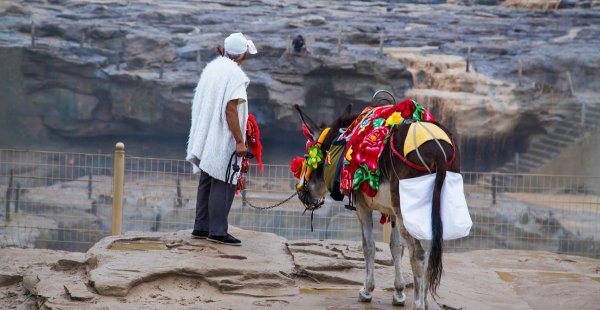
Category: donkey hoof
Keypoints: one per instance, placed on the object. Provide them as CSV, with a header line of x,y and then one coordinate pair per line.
x,y
364,296
398,300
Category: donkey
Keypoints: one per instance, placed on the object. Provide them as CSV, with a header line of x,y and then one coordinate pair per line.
x,y
426,265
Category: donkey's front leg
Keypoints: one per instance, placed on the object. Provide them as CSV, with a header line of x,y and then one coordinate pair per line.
x,y
365,215
397,250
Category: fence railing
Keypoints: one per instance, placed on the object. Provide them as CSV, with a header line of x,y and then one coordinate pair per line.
x,y
67,201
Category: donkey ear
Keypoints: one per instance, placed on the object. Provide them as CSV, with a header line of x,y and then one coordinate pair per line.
x,y
310,124
347,111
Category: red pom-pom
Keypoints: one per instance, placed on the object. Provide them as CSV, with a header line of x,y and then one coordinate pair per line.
x,y
428,117
296,166
385,219
406,108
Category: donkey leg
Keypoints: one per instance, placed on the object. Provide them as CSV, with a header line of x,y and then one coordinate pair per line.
x,y
417,257
425,278
420,269
365,215
397,250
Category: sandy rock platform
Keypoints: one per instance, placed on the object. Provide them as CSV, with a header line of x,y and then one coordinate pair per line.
x,y
171,270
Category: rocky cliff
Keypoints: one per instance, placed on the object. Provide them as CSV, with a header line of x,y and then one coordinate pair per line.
x,y
128,68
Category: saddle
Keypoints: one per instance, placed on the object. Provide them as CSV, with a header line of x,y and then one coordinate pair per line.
x,y
367,136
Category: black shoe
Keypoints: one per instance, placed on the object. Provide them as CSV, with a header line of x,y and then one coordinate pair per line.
x,y
228,239
197,234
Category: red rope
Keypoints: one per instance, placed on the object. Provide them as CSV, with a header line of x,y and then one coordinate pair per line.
x,y
420,167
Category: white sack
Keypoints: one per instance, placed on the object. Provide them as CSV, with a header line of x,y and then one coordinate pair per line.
x,y
415,204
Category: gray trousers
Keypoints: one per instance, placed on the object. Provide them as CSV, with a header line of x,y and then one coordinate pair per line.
x,y
213,203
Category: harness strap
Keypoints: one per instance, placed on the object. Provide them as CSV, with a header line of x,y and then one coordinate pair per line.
x,y
436,140
350,205
303,175
417,149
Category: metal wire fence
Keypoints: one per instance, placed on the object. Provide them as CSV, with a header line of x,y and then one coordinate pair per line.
x,y
64,201
52,199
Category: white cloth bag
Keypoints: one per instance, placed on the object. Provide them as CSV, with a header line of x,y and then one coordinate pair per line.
x,y
415,204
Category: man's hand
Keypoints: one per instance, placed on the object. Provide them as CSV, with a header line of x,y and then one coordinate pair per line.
x,y
234,125
241,149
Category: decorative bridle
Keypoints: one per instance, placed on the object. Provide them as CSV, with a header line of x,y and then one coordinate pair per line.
x,y
313,158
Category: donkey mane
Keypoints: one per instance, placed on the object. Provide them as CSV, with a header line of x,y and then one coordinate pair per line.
x,y
342,122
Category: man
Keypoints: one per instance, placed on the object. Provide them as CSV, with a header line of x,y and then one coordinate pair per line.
x,y
219,116
298,44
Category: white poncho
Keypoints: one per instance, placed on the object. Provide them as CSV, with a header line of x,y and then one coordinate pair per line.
x,y
211,141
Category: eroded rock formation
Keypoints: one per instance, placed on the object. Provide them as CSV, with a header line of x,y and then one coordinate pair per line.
x,y
95,68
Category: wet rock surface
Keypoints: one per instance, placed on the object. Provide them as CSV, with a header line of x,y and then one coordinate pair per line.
x,y
172,270
254,269
341,262
95,69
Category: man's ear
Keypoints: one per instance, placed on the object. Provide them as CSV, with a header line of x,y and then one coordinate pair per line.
x,y
244,57
220,50
312,127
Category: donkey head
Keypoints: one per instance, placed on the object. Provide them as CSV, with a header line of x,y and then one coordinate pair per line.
x,y
311,186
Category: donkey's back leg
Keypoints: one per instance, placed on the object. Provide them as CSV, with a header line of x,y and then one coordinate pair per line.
x,y
365,216
397,250
417,262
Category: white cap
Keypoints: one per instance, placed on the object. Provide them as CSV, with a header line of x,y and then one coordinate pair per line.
x,y
237,44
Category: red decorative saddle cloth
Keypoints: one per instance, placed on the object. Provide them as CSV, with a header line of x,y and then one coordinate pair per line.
x,y
365,139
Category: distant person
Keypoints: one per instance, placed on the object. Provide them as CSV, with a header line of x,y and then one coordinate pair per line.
x,y
219,118
298,44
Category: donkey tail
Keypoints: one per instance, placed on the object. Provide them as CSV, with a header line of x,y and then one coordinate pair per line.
x,y
435,268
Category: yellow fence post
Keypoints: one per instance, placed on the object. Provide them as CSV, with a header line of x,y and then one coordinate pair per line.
x,y
118,177
387,230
